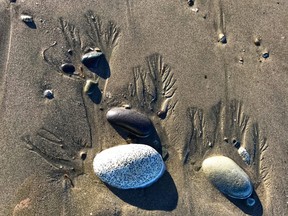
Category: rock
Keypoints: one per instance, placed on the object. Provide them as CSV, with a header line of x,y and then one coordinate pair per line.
x,y
26,18
265,55
91,59
48,94
90,86
257,41
222,38
68,68
129,166
244,154
250,201
227,177
130,120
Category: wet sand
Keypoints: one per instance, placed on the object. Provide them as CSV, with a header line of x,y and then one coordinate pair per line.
x,y
163,59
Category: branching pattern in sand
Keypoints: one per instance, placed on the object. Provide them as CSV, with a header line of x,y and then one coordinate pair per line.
x,y
227,130
154,86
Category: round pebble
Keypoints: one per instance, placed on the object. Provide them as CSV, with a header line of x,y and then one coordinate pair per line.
x,y
227,177
257,41
130,120
48,94
68,68
265,55
250,201
129,166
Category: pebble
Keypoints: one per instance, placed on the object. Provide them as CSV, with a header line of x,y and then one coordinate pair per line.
x,y
26,18
190,3
129,166
257,41
90,86
91,59
244,155
222,38
48,94
227,177
265,55
68,68
130,120
250,201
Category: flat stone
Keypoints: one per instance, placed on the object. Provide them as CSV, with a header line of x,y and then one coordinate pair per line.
x,y
129,166
130,120
91,59
227,177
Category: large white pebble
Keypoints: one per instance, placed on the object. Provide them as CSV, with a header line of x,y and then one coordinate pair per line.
x,y
129,166
227,177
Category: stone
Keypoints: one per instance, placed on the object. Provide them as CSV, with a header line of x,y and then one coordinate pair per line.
x,y
48,94
129,166
227,177
68,68
90,86
222,38
91,59
130,120
26,18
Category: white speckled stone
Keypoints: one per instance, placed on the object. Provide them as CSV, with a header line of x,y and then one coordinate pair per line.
x,y
227,177
129,166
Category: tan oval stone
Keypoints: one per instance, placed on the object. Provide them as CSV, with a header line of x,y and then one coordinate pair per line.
x,y
227,177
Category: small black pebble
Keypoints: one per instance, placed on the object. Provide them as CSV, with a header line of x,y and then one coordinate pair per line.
x,y
190,2
265,55
70,51
83,155
68,68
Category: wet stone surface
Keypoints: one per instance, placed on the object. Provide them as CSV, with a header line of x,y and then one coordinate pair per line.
x,y
130,120
92,59
227,177
129,166
68,68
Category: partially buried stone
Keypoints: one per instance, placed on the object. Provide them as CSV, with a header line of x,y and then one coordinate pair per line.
x,y
48,94
222,38
90,87
130,120
227,177
91,59
129,166
26,18
265,55
68,68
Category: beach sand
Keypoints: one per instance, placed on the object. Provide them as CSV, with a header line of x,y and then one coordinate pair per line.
x,y
160,56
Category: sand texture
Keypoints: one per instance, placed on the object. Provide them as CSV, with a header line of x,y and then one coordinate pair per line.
x,y
211,77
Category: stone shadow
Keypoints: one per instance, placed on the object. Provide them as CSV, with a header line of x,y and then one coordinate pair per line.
x,y
162,195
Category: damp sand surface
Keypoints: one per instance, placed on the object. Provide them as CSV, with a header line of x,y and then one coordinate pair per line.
x,y
210,75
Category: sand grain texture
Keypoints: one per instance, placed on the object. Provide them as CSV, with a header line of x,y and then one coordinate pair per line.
x,y
162,58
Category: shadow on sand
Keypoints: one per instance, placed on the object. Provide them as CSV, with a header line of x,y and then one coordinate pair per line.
x,y
162,195
255,210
